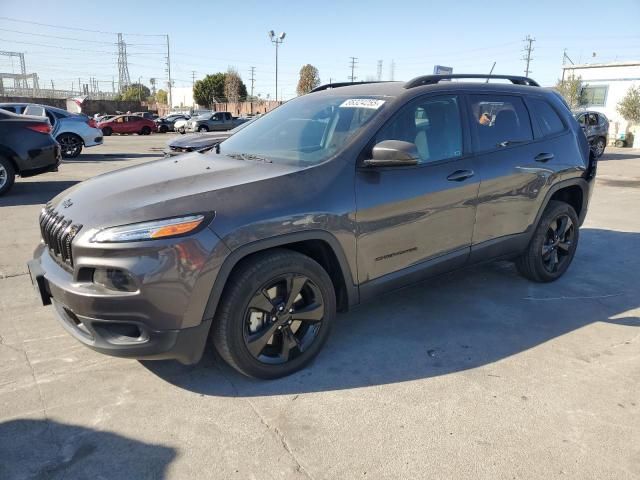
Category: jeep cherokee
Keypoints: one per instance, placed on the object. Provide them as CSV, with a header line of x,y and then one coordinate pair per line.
x,y
330,200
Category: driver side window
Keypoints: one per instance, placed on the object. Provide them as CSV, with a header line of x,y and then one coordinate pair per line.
x,y
433,124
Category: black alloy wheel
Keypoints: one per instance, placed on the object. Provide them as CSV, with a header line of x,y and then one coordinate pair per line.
x,y
70,145
275,314
599,147
553,244
558,243
283,319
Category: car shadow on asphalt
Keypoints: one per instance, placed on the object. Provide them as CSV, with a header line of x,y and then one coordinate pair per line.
x,y
609,156
46,449
34,192
455,322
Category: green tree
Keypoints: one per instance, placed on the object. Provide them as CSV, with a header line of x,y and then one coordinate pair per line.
x,y
309,79
162,97
209,90
629,106
572,91
136,91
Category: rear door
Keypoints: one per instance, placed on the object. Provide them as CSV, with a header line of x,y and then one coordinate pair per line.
x,y
407,215
513,165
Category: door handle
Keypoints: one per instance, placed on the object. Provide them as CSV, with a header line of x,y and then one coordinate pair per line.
x,y
543,157
460,175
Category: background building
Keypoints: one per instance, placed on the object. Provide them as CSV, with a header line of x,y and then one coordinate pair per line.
x,y
604,85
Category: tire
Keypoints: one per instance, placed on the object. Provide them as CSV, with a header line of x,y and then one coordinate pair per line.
x,y
599,146
620,143
70,145
163,129
7,175
107,131
551,250
203,128
237,319
181,131
145,131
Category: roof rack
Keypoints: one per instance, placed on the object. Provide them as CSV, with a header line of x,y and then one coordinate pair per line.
x,y
327,86
433,79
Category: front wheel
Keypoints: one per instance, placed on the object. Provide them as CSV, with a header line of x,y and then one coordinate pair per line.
x,y
203,128
70,145
276,313
145,131
553,244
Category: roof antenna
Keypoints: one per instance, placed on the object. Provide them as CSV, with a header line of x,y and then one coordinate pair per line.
x,y
491,71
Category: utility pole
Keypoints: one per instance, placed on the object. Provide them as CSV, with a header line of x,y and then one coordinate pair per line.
x,y
527,53
565,57
169,73
276,40
379,70
354,61
392,70
52,86
253,78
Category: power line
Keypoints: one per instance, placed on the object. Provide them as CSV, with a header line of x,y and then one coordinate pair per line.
x,y
354,61
76,28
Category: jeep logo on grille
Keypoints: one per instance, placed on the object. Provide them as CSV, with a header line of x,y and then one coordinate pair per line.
x,y
67,203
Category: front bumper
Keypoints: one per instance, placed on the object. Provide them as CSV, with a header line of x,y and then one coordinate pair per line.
x,y
163,319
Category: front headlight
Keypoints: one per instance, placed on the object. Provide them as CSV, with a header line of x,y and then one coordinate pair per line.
x,y
170,227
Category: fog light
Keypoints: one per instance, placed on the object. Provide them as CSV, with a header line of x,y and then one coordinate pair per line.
x,y
114,279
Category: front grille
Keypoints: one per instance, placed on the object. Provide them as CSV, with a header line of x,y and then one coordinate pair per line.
x,y
57,233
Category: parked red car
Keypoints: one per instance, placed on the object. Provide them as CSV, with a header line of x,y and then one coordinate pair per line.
x,y
127,124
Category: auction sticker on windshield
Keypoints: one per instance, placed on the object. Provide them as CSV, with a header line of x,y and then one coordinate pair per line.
x,y
362,103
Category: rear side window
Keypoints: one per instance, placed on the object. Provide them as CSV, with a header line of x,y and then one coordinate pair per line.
x,y
499,121
548,119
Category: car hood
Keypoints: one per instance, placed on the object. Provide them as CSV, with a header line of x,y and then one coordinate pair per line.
x,y
159,189
200,140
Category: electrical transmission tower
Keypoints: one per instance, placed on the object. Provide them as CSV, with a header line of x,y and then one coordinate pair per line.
x,y
379,76
123,68
354,61
528,48
392,70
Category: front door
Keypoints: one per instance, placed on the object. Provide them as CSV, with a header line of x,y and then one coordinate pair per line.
x,y
410,214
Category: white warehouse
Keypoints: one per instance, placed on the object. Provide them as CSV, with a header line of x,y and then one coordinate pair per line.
x,y
605,84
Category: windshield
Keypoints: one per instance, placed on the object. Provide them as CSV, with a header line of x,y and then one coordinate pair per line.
x,y
307,130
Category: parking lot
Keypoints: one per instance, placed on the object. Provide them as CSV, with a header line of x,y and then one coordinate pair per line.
x,y
478,374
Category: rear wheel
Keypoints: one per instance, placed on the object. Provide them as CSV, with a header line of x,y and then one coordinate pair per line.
x,y
181,130
7,175
599,147
107,131
145,131
275,314
70,145
553,245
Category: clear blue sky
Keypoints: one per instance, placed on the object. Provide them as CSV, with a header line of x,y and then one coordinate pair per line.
x,y
209,36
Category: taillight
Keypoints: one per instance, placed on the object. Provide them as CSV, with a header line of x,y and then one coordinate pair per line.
x,y
40,127
92,123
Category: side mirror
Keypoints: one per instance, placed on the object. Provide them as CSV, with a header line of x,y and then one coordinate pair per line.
x,y
393,153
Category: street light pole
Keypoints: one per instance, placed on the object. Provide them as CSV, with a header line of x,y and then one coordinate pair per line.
x,y
277,40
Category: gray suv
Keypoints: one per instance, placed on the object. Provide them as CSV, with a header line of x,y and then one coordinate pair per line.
x,y
596,127
332,199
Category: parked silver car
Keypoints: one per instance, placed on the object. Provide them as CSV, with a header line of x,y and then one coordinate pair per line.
x,y
72,130
214,122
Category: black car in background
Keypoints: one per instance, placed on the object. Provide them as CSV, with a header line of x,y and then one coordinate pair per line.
x,y
26,148
167,124
596,127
